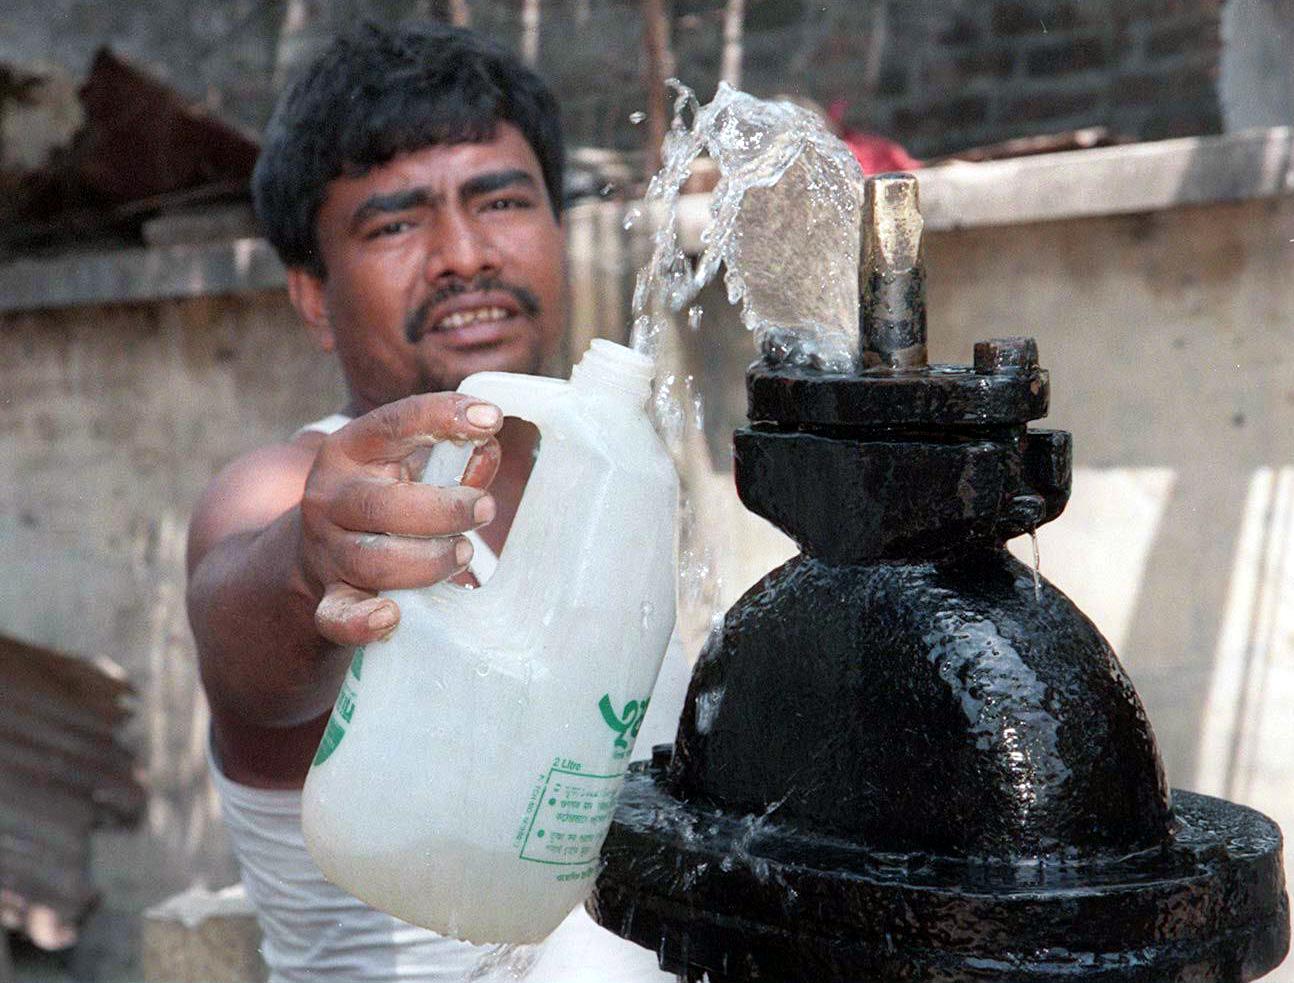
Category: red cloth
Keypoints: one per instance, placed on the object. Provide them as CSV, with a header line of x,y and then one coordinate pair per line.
x,y
875,154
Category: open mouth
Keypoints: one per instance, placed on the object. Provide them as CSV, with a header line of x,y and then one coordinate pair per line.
x,y
462,319
474,327
483,314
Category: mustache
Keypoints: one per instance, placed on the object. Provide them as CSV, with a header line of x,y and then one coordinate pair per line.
x,y
415,323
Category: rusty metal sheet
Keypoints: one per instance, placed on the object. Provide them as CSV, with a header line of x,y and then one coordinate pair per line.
x,y
140,139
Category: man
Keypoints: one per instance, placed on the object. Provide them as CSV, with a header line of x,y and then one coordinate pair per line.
x,y
411,183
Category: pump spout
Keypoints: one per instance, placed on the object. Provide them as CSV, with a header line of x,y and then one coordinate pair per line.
x,y
892,277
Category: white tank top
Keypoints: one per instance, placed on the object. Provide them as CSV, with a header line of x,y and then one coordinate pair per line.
x,y
313,932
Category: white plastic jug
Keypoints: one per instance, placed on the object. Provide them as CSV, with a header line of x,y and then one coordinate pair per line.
x,y
471,765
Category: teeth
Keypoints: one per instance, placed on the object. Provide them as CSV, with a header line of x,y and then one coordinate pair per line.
x,y
463,318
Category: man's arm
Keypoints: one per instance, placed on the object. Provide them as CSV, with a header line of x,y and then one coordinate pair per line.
x,y
253,618
287,550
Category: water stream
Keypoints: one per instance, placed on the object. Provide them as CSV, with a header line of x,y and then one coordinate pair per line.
x,y
784,225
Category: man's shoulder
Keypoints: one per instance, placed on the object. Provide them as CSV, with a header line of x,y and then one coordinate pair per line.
x,y
252,491
274,472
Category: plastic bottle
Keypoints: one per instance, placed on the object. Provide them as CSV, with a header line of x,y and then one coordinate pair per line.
x,y
468,774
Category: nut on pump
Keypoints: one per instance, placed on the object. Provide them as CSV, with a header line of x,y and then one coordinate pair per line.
x,y
470,768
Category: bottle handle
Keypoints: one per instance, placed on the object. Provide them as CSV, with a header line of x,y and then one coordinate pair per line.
x,y
524,396
447,463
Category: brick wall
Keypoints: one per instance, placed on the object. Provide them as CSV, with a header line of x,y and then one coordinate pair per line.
x,y
987,71
938,75
941,75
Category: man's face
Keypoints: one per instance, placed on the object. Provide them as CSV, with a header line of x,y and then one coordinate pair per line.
x,y
442,262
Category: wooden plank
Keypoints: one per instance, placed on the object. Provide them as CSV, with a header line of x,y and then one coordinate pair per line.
x,y
82,722
120,798
1138,177
97,755
86,675
43,807
63,772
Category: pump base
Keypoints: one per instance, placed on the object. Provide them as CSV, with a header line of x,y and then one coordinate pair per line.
x,y
745,898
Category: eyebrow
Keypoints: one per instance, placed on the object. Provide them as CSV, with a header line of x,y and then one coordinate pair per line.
x,y
395,201
484,184
399,201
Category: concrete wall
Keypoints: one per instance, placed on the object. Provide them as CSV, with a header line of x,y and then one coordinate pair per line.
x,y
112,419
1170,340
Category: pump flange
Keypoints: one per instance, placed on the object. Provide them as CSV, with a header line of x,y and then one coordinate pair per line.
x,y
935,396
738,898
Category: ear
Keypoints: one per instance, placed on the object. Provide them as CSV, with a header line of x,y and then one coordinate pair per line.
x,y
308,296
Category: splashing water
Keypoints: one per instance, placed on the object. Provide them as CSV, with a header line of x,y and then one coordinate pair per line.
x,y
678,412
504,964
784,224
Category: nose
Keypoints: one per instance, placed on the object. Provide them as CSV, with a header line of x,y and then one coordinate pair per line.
x,y
461,248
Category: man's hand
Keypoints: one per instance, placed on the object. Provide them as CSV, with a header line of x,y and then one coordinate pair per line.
x,y
368,525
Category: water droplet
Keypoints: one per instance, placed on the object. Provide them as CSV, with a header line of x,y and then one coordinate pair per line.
x,y
632,217
607,190
647,610
707,709
1037,578
482,668
694,317
637,116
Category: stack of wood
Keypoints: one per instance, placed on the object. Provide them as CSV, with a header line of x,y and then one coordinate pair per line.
x,y
63,773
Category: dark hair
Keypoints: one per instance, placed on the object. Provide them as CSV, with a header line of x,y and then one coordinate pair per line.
x,y
382,92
